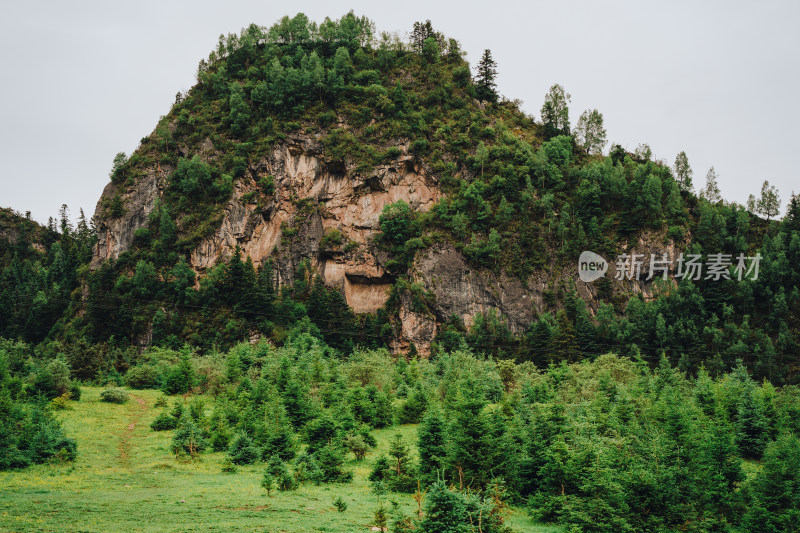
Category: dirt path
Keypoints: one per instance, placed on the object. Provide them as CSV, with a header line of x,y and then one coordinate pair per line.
x,y
127,434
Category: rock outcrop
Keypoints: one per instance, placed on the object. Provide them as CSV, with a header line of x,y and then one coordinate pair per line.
x,y
314,197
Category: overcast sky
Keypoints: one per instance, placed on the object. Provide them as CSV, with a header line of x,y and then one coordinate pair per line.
x,y
85,80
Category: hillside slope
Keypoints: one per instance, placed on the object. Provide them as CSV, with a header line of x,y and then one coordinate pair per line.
x,y
324,150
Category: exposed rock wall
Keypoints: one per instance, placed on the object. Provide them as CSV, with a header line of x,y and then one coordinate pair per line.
x,y
115,235
314,195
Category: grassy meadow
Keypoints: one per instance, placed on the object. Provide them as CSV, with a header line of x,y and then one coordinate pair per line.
x,y
126,479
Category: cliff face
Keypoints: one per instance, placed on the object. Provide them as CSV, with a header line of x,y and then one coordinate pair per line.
x,y
314,196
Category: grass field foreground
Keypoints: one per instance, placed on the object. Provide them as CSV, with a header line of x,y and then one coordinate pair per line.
x,y
126,479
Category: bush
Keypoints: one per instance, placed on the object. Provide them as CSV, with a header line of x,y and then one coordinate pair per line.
x,y
181,378
188,438
164,422
114,395
62,402
280,472
339,504
228,467
676,233
307,469
326,118
52,380
332,239
357,445
242,451
142,377
32,436
331,466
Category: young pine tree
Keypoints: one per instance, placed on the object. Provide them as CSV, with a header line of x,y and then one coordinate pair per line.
x,y
485,84
752,425
432,447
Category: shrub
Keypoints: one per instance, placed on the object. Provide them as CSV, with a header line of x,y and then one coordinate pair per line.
x,y
339,504
62,402
332,239
142,377
188,438
267,185
181,378
228,467
114,395
331,466
268,482
392,153
326,118
164,422
280,472
676,233
357,445
52,380
242,451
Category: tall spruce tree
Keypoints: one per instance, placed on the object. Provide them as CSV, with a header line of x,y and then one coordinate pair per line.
x,y
485,84
431,445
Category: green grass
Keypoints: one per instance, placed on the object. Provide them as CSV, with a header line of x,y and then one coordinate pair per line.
x,y
126,479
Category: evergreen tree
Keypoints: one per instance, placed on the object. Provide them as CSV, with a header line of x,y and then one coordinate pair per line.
x,y
485,84
683,172
331,465
239,111
774,490
117,175
181,378
431,445
445,511
564,345
711,191
242,450
792,219
752,425
420,33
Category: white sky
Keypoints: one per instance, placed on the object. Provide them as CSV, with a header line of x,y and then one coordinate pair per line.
x,y
85,80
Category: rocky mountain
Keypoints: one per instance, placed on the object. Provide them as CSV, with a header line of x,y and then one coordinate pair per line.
x,y
409,188
337,236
